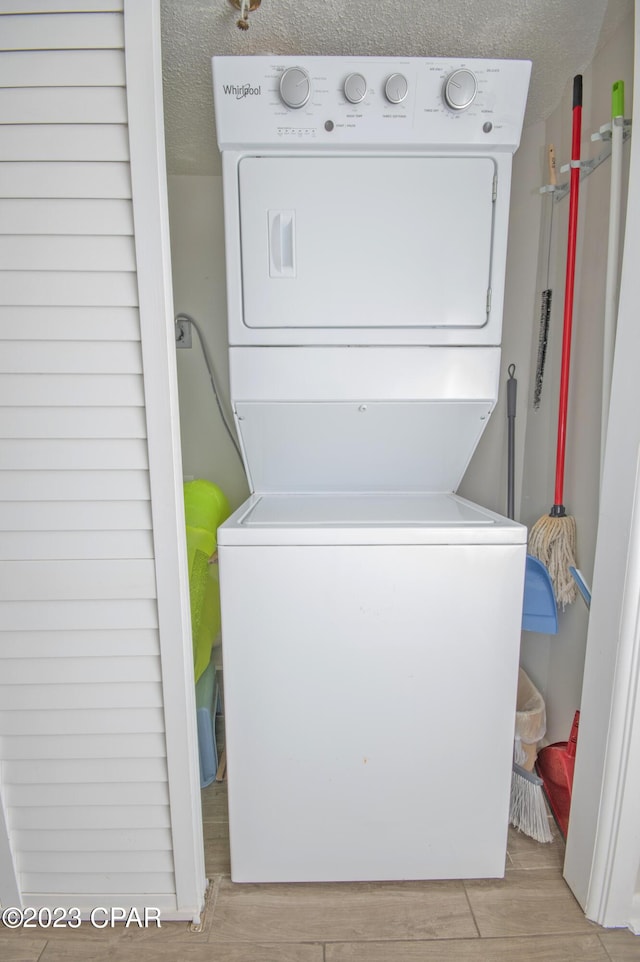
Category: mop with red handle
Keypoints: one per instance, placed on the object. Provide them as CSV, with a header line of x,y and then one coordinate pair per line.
x,y
552,539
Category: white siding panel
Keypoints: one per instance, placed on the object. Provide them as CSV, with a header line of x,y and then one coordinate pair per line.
x,y
70,287
116,721
36,646
82,390
96,862
69,545
72,423
85,454
61,871
140,840
85,357
109,747
135,793
50,253
65,142
102,746
78,516
95,816
65,217
89,671
69,323
64,32
111,885
93,696
77,615
62,105
43,179
58,6
65,580
75,68
73,485
129,767
165,903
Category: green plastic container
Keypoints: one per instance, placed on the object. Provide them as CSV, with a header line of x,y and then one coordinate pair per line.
x,y
206,507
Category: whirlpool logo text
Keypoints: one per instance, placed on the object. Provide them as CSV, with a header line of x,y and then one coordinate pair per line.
x,y
240,91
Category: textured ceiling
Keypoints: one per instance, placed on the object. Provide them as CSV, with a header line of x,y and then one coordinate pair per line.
x,y
559,36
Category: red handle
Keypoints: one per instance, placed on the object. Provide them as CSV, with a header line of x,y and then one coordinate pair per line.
x,y
574,189
573,737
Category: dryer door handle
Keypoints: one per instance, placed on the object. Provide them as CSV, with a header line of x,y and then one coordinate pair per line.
x,y
282,243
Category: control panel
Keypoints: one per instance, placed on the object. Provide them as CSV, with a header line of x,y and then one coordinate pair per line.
x,y
340,101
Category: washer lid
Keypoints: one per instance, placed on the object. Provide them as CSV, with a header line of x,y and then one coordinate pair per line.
x,y
348,446
397,518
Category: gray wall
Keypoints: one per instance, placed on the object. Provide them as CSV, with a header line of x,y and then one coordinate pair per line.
x,y
198,264
556,663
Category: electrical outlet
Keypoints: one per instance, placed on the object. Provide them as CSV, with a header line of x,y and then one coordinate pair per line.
x,y
183,332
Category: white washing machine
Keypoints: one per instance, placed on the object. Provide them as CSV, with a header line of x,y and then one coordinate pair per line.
x,y
370,616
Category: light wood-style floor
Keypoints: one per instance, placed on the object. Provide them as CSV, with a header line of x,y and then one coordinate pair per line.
x,y
529,916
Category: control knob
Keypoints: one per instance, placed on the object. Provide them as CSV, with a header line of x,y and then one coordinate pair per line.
x,y
396,88
355,88
295,87
460,89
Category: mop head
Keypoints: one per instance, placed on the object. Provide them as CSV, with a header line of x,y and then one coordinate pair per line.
x,y
528,809
553,541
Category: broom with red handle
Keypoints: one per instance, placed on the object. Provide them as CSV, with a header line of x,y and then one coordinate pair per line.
x,y
553,537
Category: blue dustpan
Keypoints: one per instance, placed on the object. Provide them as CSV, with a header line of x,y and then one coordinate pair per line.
x,y
539,611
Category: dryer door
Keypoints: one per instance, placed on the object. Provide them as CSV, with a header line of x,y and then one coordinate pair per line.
x,y
366,242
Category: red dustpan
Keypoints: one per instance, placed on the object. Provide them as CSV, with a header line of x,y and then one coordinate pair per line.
x,y
555,765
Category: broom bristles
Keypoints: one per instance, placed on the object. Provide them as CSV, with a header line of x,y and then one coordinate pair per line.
x,y
528,810
553,542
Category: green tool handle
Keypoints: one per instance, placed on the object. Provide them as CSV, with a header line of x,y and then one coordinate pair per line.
x,y
617,99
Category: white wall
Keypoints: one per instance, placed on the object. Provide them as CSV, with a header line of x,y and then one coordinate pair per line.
x,y
485,480
197,253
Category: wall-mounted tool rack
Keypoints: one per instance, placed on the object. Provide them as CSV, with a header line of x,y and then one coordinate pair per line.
x,y
587,167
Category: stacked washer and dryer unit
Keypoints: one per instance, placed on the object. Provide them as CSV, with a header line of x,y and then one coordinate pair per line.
x,y
370,616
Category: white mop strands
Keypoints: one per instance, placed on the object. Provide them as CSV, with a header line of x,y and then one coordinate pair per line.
x,y
528,811
552,540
